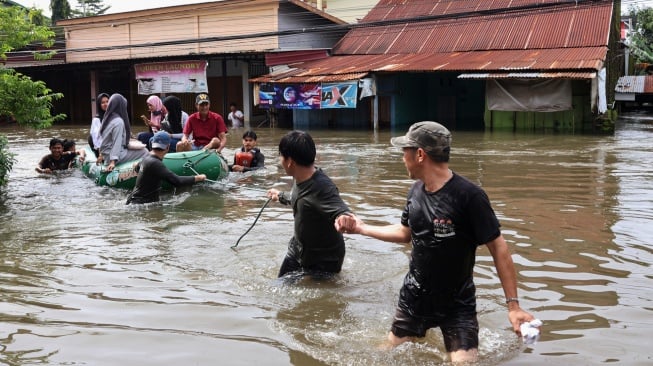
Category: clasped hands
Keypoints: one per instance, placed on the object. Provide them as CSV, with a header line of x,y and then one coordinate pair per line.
x,y
348,223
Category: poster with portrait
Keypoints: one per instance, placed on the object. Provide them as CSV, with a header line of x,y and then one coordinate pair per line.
x,y
289,96
300,96
307,95
171,77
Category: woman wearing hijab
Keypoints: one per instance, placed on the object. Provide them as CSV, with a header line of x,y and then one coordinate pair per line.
x,y
157,113
94,139
174,121
115,133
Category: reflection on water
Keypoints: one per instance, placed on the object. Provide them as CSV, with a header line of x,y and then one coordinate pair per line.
x,y
85,279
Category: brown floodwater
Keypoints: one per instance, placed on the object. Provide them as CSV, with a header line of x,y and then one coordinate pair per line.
x,y
87,280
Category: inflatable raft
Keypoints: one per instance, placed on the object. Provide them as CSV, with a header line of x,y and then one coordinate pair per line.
x,y
187,163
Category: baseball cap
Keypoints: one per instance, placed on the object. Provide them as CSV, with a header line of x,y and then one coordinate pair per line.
x,y
202,98
160,140
431,136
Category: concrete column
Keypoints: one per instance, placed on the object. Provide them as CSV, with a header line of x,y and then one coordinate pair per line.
x,y
247,93
94,92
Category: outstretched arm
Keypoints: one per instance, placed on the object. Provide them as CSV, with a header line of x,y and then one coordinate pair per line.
x,y
508,277
396,233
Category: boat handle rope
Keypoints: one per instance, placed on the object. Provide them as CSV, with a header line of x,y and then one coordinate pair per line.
x,y
189,165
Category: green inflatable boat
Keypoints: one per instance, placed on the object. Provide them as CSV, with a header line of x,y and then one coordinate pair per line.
x,y
187,163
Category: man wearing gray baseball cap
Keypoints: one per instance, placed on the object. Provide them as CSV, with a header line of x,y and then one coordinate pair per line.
x,y
446,218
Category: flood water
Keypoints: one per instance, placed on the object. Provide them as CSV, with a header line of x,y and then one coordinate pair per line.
x,y
87,280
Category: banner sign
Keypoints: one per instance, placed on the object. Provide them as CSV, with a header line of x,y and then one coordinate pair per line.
x,y
339,95
308,96
171,77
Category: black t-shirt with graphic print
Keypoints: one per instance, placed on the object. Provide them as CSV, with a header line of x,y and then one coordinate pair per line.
x,y
446,226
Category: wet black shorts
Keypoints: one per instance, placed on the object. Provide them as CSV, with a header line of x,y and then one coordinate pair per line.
x,y
459,329
291,267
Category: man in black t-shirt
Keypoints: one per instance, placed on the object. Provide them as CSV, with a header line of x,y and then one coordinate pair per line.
x,y
446,218
317,248
152,172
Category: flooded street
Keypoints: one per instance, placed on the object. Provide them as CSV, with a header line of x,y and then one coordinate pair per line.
x,y
87,280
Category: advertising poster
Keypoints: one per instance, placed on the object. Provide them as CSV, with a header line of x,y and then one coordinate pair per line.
x,y
339,95
294,96
267,94
171,77
308,96
289,96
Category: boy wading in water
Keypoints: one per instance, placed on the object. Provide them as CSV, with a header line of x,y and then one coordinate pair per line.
x,y
316,248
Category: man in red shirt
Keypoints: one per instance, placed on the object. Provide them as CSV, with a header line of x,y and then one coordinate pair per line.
x,y
208,128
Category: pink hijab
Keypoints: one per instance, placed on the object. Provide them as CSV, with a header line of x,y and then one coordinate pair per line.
x,y
155,117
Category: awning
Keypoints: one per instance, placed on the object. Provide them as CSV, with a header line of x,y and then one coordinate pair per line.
x,y
530,75
298,76
575,63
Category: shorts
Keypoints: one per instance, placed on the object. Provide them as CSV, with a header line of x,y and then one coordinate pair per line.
x,y
292,267
459,328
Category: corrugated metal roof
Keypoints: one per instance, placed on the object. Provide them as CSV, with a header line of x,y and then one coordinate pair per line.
x,y
581,60
306,76
501,25
648,84
536,36
637,84
289,57
630,84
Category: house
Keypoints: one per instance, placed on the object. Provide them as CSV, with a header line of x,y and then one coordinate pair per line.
x,y
545,65
224,42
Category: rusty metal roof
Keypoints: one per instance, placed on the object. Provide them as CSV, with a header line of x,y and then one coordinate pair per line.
x,y
637,84
648,84
473,25
338,68
523,36
530,75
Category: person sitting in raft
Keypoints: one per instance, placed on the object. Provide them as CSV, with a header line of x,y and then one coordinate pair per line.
x,y
174,121
94,139
115,133
69,148
151,172
206,127
153,124
55,160
249,157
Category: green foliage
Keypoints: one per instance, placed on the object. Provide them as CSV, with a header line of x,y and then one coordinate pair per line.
x,y
18,31
641,39
6,160
87,8
28,101
36,17
60,10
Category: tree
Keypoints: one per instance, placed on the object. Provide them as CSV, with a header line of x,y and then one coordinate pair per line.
x,y
60,10
87,8
640,41
26,101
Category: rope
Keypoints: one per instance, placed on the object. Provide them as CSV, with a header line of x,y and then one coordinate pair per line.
x,y
208,153
254,223
189,165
